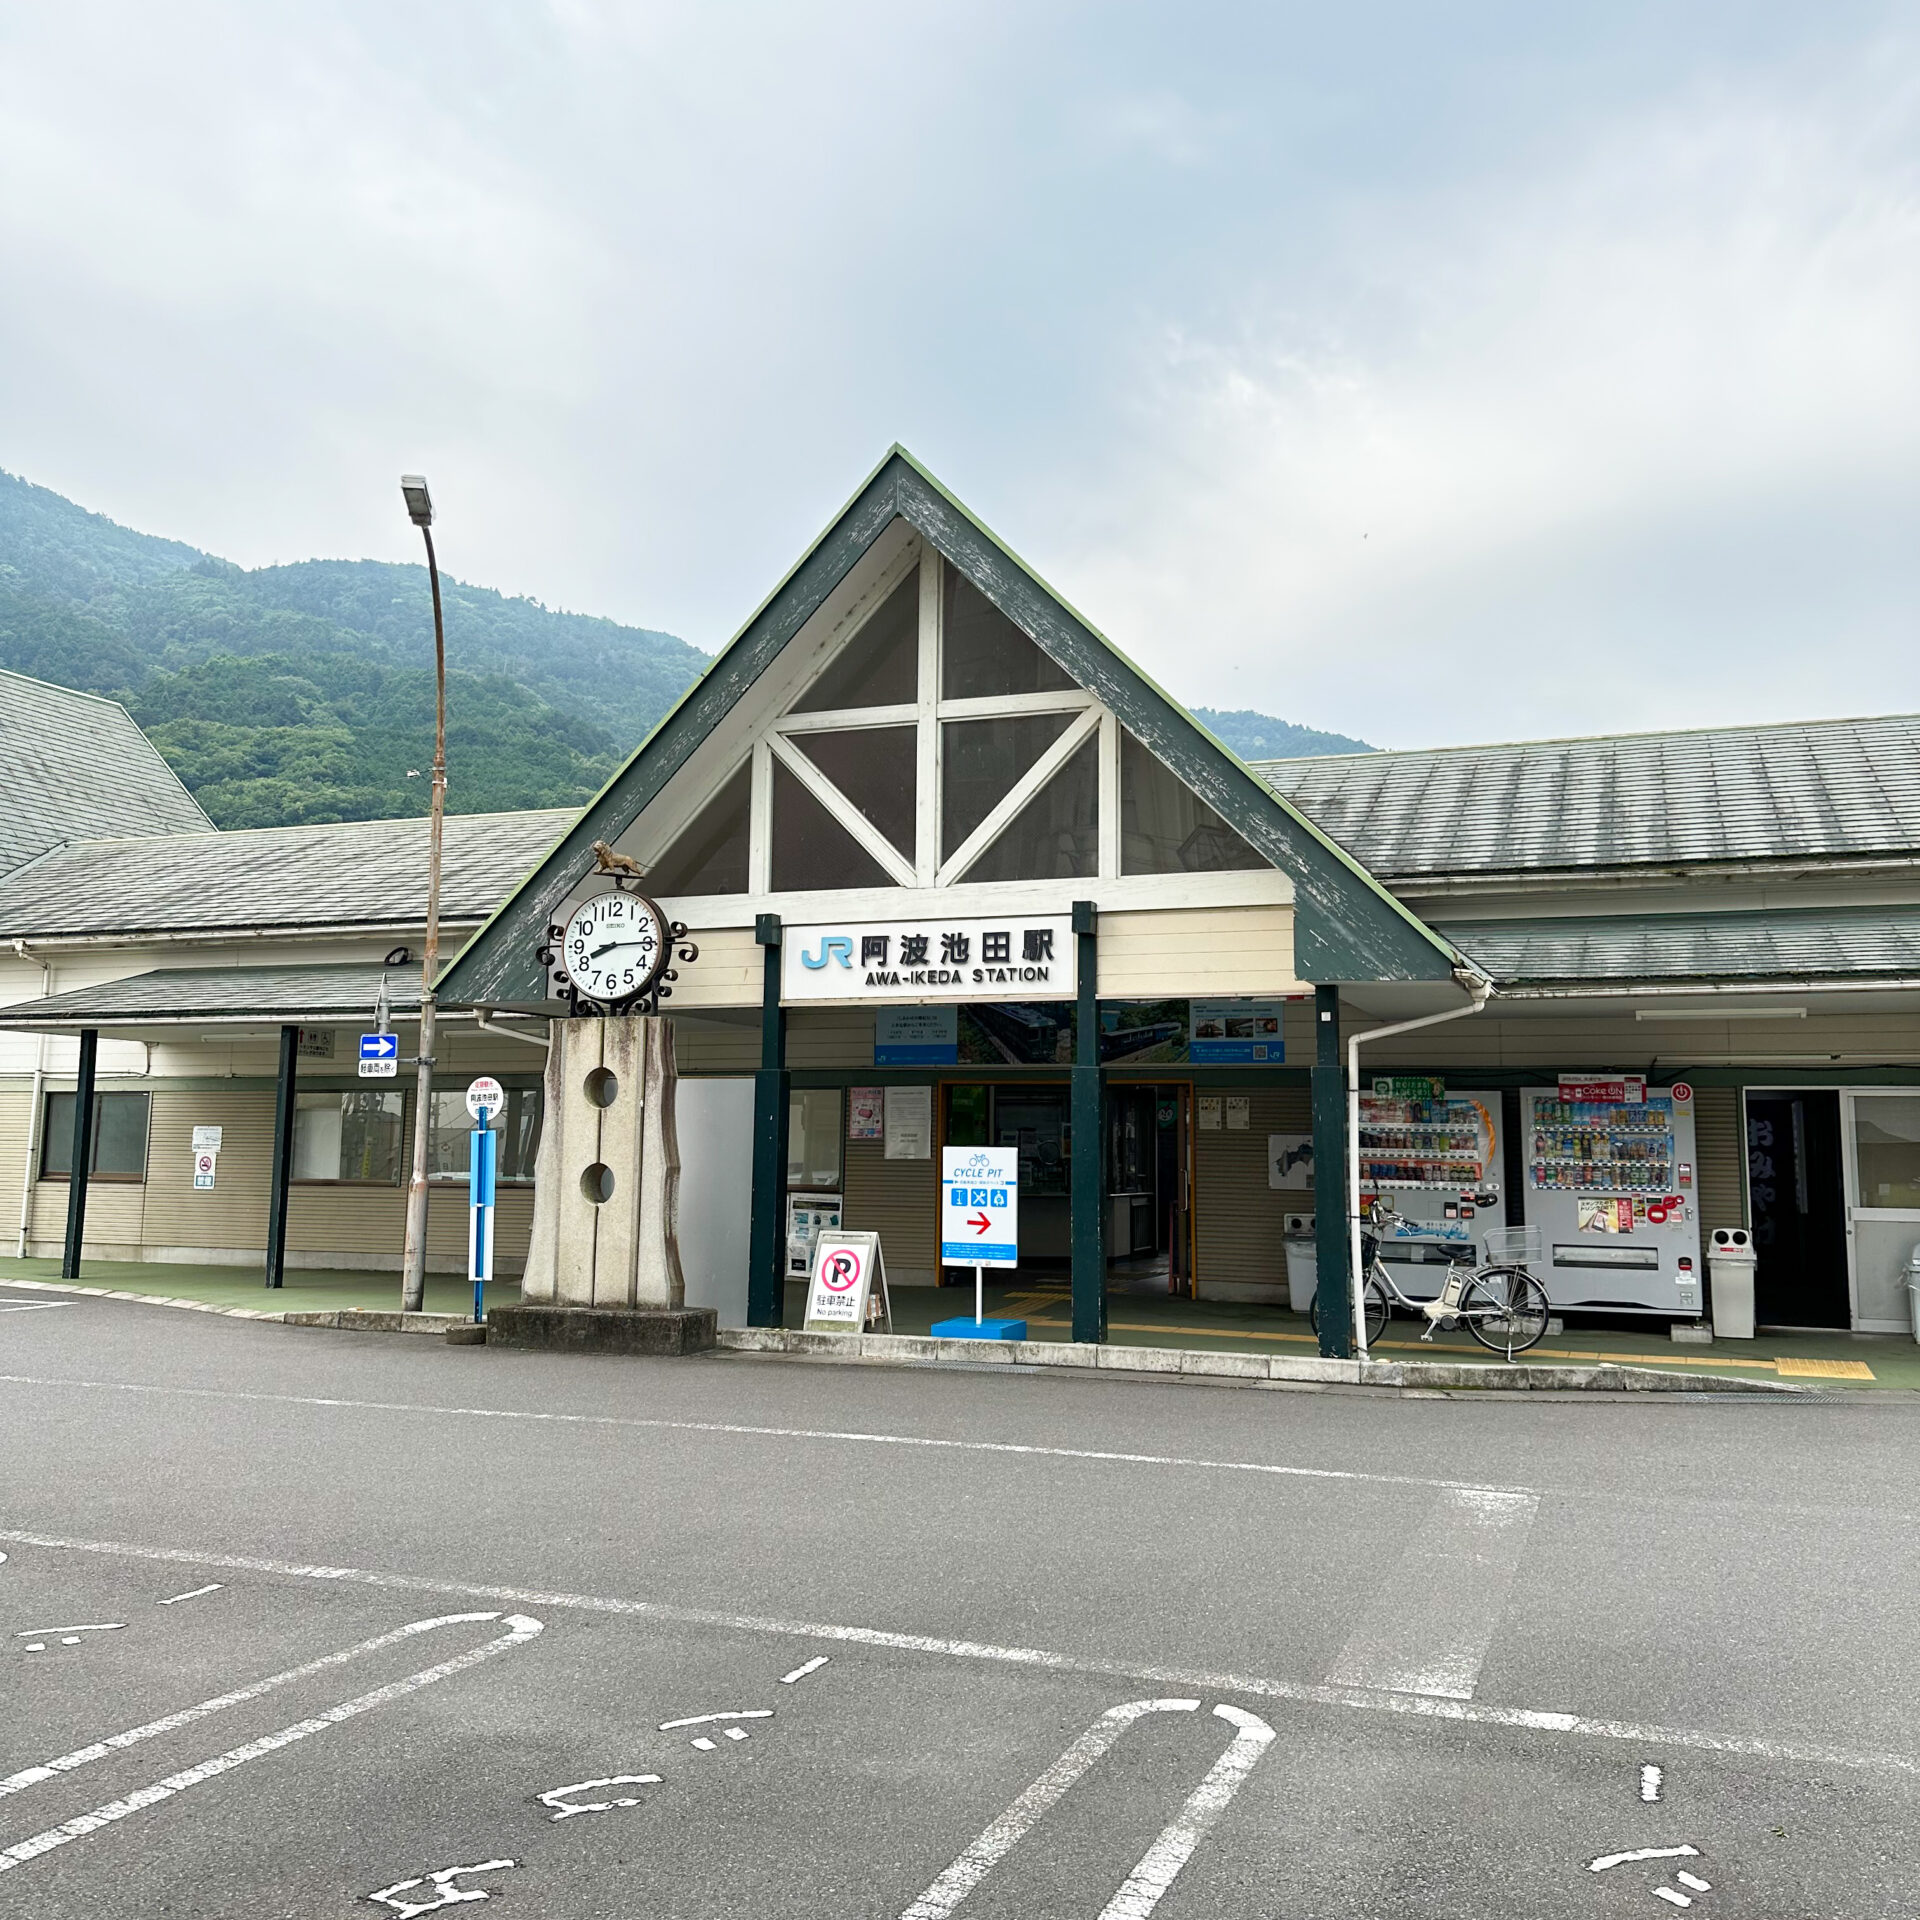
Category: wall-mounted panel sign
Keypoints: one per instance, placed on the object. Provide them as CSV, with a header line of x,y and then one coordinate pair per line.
x,y
916,1036
1021,955
1236,1033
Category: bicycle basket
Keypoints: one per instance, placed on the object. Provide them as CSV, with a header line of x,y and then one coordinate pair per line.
x,y
1512,1246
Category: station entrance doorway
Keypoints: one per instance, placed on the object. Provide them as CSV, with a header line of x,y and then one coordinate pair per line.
x,y
1147,1174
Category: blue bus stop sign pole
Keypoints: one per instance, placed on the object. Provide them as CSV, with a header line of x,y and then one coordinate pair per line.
x,y
484,1152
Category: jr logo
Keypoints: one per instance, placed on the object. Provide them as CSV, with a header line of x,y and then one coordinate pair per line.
x,y
835,946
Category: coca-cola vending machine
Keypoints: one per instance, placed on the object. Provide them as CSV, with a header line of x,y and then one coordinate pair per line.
x,y
1611,1185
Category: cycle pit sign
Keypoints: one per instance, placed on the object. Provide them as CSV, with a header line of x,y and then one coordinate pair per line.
x,y
980,1206
841,1295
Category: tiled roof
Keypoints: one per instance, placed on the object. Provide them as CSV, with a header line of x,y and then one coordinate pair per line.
x,y
354,873
1808,943
73,765
214,993
1829,788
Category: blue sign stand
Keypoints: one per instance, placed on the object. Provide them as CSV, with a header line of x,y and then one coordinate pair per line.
x,y
481,1165
979,1228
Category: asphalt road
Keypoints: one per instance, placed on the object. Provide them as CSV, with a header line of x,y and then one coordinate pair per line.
x,y
935,1641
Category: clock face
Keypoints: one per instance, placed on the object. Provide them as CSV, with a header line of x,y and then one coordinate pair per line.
x,y
616,946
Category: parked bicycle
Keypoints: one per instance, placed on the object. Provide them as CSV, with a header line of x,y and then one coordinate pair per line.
x,y
1497,1300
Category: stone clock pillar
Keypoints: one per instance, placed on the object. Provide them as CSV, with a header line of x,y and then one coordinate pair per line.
x,y
603,1269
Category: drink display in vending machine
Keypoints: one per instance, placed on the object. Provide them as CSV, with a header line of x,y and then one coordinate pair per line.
x,y
1433,1152
1610,1185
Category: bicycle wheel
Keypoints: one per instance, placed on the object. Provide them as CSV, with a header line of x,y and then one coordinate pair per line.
x,y
1505,1308
1379,1310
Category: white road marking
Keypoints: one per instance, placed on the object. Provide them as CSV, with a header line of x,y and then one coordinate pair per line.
x,y
702,1719
36,1306
555,1796
1419,1706
1003,1834
818,1661
1607,1860
1140,1892
1158,1867
446,1894
1428,1627
735,1733
1650,1779
212,1586
519,1630
1672,1897
1694,1881
829,1435
704,1744
170,1723
99,1626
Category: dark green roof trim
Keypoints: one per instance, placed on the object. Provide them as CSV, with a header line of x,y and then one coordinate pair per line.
x,y
1347,926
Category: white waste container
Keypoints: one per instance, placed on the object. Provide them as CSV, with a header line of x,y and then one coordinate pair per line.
x,y
1731,1261
1303,1261
1913,1288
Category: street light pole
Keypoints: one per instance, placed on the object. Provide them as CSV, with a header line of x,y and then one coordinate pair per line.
x,y
413,1290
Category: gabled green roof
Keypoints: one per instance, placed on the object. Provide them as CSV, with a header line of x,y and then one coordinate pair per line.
x,y
1347,927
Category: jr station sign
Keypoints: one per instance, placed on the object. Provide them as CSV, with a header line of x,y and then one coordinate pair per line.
x,y
1016,956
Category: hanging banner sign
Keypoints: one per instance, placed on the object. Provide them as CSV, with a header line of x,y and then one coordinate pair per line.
x,y
1019,957
1619,1090
841,1296
980,1206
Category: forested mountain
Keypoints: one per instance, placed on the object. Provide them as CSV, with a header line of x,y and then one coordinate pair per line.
x,y
1256,736
304,693
283,695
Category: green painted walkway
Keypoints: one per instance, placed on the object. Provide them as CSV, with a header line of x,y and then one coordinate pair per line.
x,y
1134,1319
304,1292
1155,1320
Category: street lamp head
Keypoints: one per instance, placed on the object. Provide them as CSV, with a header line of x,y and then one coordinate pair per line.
x,y
413,489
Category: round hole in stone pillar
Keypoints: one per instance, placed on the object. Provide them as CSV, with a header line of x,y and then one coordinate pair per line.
x,y
602,1087
597,1183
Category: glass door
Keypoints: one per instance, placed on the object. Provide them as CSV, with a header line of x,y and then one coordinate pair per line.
x,y
1883,1203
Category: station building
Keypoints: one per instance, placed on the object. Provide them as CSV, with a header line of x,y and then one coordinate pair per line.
x,y
959,873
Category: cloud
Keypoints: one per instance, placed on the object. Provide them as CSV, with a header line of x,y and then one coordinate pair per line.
x,y
1603,448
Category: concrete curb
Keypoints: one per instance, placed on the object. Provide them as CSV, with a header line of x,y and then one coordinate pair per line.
x,y
371,1320
1252,1368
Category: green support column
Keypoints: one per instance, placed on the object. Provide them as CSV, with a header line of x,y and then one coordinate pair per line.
x,y
1330,1177
81,1165
767,1258
282,1181
1089,1139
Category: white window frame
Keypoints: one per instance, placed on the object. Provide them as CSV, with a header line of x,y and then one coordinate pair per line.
x,y
928,714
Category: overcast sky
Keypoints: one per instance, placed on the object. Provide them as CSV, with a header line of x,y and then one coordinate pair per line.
x,y
1428,373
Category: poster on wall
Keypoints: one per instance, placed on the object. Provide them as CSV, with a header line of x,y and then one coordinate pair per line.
x,y
909,1123
1209,1105
808,1216
1290,1162
1017,1033
916,1037
1140,1033
1236,1032
865,1113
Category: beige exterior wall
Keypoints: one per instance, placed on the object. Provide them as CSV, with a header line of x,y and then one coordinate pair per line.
x,y
1198,952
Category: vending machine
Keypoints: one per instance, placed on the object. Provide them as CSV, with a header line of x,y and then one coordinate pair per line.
x,y
1433,1153
1611,1186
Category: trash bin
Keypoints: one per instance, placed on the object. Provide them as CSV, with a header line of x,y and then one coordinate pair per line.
x,y
1913,1288
1303,1261
1731,1261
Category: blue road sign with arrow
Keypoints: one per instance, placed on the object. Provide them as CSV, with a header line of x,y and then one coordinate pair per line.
x,y
379,1056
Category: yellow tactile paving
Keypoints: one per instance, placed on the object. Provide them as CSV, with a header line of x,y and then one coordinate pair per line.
x,y
1826,1369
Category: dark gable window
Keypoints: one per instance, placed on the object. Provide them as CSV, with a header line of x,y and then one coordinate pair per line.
x,y
119,1137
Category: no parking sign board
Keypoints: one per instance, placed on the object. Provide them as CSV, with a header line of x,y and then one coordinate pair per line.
x,y
846,1269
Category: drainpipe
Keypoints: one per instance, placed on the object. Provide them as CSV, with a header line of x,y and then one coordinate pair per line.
x,y
34,1102
485,1025
1482,990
